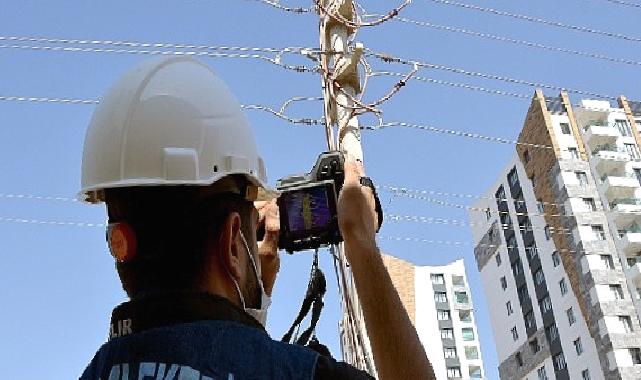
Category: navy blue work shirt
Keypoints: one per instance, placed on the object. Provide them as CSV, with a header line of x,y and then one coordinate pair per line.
x,y
197,336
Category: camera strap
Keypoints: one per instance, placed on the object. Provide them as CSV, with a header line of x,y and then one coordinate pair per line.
x,y
313,301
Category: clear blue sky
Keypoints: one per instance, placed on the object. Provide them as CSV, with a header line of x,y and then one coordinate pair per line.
x,y
57,283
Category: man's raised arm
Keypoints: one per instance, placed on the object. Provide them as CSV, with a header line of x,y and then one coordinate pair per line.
x,y
397,350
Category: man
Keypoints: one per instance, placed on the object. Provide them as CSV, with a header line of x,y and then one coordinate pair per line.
x,y
172,155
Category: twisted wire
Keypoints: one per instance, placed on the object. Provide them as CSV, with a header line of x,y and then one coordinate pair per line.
x,y
538,20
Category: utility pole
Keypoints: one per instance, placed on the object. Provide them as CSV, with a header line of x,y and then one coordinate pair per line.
x,y
341,85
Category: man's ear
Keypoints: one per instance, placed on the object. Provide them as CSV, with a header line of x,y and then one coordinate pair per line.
x,y
229,249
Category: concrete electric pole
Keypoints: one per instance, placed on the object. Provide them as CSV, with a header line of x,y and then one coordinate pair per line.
x,y
341,84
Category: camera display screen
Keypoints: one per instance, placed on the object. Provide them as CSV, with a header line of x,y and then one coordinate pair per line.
x,y
308,209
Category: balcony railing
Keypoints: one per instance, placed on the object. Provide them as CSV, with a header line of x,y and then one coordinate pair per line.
x,y
625,201
624,175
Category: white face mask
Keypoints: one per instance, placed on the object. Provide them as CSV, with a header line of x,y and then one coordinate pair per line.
x,y
265,300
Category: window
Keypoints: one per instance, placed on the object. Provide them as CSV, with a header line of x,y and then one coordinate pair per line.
x,y
547,232
574,153
607,261
458,281
512,177
632,150
530,322
443,315
552,332
637,173
556,260
563,286
623,127
475,372
437,279
565,128
626,322
522,293
498,259
471,352
440,297
589,204
635,354
616,291
517,269
526,225
508,306
468,333
531,251
539,277
450,352
488,214
465,315
570,313
533,180
559,362
540,207
500,194
585,375
545,304
597,231
461,297
519,203
534,346
541,375
503,283
577,346
447,334
453,371
519,359
515,333
582,178
526,156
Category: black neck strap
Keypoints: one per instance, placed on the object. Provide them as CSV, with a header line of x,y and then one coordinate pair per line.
x,y
165,309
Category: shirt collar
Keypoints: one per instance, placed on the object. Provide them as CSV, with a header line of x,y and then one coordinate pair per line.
x,y
165,309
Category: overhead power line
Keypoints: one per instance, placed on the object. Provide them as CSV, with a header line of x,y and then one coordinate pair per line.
x,y
275,61
462,223
278,113
516,41
625,3
278,5
385,57
50,222
539,20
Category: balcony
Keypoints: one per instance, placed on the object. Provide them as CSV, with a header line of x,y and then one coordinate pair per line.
x,y
619,186
608,159
634,274
626,211
598,134
630,241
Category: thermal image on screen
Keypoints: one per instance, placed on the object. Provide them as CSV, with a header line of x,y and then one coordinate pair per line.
x,y
308,209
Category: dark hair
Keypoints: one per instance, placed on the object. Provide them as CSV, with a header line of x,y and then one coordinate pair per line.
x,y
174,226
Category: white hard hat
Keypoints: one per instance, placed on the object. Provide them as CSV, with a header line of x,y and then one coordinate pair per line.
x,y
168,121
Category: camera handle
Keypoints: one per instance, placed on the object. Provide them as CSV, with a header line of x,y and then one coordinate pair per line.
x,y
313,300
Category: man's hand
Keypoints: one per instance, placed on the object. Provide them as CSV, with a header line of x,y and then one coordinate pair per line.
x,y
268,247
357,216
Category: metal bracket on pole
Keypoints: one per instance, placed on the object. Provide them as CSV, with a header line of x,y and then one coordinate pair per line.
x,y
346,69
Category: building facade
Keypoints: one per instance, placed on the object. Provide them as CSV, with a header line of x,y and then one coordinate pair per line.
x,y
439,303
558,242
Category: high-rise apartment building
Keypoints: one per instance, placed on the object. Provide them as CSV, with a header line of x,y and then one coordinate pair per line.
x,y
558,239
439,303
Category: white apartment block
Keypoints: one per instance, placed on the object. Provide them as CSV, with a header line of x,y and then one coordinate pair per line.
x,y
438,301
558,239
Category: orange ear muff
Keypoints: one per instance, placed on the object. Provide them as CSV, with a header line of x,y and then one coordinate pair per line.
x,y
121,239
